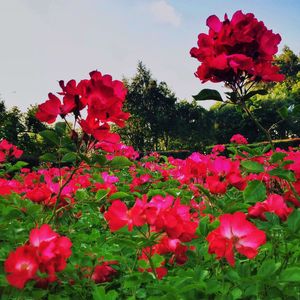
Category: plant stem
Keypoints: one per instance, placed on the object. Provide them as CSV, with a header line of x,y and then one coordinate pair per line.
x,y
151,263
59,193
248,112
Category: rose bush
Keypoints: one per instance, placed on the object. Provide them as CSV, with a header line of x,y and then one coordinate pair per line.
x,y
157,227
94,221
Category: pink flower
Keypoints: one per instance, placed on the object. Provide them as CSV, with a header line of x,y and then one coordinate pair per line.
x,y
48,111
44,234
39,194
8,150
238,139
21,266
242,45
103,273
118,215
274,204
235,232
47,252
217,149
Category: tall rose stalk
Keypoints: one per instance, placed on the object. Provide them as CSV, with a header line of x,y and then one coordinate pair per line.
x,y
239,52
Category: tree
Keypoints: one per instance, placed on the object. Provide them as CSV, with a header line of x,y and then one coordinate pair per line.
x,y
29,139
289,63
152,108
12,125
229,120
194,127
22,130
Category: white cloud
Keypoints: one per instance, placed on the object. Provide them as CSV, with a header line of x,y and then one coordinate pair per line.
x,y
163,12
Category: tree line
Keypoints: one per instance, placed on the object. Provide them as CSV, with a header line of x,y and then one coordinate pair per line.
x,y
160,121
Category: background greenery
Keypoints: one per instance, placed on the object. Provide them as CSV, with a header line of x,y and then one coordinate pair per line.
x,y
160,121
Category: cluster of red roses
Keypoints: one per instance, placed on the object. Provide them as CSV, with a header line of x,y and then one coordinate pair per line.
x,y
44,185
236,47
162,214
8,150
166,217
216,173
275,204
174,220
46,252
118,149
103,98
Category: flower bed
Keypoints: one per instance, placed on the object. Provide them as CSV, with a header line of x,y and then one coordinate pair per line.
x,y
95,221
205,226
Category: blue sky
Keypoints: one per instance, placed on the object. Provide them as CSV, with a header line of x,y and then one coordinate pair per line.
x,y
45,41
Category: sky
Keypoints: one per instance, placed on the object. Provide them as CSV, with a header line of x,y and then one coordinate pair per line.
x,y
44,41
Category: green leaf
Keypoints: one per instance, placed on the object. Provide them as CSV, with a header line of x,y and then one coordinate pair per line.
x,y
286,162
231,96
266,149
142,263
291,274
236,293
296,110
112,295
157,260
120,195
69,157
48,157
247,149
82,194
257,92
50,136
293,221
99,293
284,174
272,218
277,156
252,166
255,192
17,166
120,162
268,268
173,192
39,294
283,112
155,192
233,275
99,158
101,194
208,94
60,128
203,226
251,290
